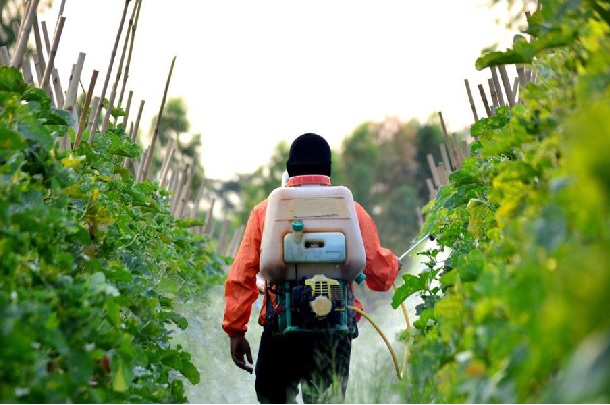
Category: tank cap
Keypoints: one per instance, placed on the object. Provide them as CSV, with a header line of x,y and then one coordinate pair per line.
x,y
360,278
308,179
297,226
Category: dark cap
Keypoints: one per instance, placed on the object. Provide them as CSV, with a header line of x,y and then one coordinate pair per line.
x,y
309,154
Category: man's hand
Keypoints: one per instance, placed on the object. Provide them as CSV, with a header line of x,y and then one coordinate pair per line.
x,y
240,348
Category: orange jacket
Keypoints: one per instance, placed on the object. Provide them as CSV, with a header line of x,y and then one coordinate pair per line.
x,y
240,288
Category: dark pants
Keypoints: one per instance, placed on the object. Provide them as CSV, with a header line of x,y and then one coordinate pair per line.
x,y
319,362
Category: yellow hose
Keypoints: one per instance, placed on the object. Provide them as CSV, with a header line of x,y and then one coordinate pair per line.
x,y
394,358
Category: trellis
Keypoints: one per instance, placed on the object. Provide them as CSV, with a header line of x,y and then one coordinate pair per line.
x,y
96,113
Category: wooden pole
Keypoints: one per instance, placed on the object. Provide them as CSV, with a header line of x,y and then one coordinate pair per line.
x,y
156,133
432,166
494,95
26,68
54,46
119,71
5,58
169,151
208,218
24,34
127,109
134,28
83,115
484,98
496,82
73,84
94,105
445,157
40,54
134,133
109,71
431,189
450,148
471,101
507,86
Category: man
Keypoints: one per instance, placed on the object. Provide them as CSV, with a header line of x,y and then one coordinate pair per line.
x,y
317,361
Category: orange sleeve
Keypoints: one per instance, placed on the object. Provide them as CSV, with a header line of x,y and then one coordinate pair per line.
x,y
240,288
381,264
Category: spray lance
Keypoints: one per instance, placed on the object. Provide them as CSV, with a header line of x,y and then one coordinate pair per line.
x,y
399,373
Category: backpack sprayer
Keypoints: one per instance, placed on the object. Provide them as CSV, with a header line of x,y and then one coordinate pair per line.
x,y
311,253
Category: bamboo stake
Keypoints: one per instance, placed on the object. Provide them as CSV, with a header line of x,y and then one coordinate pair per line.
x,y
166,162
24,34
54,46
138,5
145,157
458,150
38,42
185,194
83,115
213,227
57,88
496,82
59,93
94,104
183,179
471,101
127,109
431,189
450,149
134,132
484,98
507,88
61,8
173,181
445,157
223,235
45,35
494,94
119,71
440,169
109,71
18,28
73,83
156,133
4,56
432,166
26,68
208,217
38,69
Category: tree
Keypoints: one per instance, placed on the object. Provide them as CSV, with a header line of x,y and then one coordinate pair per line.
x,y
174,126
385,166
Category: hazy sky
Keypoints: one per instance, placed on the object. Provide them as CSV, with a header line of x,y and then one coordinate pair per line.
x,y
255,72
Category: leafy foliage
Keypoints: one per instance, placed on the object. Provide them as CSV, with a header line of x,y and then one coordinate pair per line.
x,y
518,311
92,264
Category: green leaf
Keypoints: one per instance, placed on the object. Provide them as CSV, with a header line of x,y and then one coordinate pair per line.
x,y
11,79
412,285
121,380
179,320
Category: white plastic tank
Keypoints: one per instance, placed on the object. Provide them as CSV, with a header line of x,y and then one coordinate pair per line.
x,y
326,239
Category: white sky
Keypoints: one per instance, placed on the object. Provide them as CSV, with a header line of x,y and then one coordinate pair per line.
x,y
255,72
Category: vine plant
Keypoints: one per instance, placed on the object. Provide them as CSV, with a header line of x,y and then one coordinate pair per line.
x,y
519,315
91,265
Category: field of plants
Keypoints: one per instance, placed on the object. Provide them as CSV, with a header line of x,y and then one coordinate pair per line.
x,y
95,261
519,311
